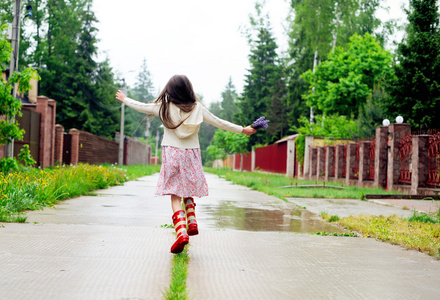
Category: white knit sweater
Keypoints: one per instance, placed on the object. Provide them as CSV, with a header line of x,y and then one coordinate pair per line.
x,y
186,135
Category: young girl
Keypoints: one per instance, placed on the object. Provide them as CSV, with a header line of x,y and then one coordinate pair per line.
x,y
181,174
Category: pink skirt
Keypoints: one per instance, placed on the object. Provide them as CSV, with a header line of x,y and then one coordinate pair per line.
x,y
181,173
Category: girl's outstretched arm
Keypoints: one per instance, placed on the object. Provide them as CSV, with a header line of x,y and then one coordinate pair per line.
x,y
147,108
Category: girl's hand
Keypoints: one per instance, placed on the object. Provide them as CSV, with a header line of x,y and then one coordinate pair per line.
x,y
248,130
120,96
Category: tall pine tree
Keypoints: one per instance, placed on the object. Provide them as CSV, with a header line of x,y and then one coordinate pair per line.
x,y
61,42
262,83
415,93
143,91
229,99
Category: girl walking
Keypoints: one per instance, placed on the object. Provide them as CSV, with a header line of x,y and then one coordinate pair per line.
x,y
181,175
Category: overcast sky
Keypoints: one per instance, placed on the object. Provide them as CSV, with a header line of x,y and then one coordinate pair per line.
x,y
198,38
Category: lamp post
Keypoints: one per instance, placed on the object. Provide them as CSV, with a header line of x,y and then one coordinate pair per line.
x,y
15,43
121,132
157,146
147,134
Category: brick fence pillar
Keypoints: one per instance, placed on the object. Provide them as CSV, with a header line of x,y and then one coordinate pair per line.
x,y
329,162
351,162
381,157
396,132
47,109
307,160
364,162
420,162
290,164
320,167
59,143
74,151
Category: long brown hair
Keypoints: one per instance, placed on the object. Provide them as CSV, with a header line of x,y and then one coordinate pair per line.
x,y
178,91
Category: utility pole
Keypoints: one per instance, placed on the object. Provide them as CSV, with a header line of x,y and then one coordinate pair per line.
x,y
157,146
15,42
121,132
147,134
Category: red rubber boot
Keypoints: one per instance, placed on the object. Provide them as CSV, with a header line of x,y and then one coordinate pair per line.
x,y
191,216
182,239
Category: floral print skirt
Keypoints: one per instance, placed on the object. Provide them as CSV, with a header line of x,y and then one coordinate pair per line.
x,y
181,173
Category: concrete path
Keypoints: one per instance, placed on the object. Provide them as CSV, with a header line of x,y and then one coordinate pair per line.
x,y
109,246
385,207
112,246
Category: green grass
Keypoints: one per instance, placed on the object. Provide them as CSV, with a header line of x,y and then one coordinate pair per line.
x,y
179,272
273,184
33,188
136,171
345,234
425,218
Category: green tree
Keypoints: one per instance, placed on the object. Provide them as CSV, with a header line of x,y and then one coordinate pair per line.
x,y
143,91
263,80
62,44
415,93
107,111
11,106
228,104
226,143
343,83
316,29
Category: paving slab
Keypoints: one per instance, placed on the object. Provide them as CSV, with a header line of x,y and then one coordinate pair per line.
x,y
426,206
109,246
346,207
65,261
241,265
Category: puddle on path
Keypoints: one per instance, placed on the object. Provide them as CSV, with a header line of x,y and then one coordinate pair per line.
x,y
227,215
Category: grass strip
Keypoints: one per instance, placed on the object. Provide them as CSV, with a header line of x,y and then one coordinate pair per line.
x,y
34,188
409,233
136,171
272,184
179,272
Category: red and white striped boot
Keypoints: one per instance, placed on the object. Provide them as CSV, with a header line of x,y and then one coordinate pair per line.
x,y
182,239
191,216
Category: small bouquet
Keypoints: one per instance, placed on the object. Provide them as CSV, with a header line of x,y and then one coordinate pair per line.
x,y
260,123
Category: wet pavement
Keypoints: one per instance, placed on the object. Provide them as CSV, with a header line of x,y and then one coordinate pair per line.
x,y
250,246
347,207
236,207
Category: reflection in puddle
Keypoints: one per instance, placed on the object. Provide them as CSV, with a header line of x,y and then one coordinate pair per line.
x,y
227,215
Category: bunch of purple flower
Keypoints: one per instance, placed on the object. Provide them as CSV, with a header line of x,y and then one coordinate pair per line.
x,y
260,123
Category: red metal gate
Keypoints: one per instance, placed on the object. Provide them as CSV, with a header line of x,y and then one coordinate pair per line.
x,y
405,150
356,164
67,148
344,162
434,160
30,122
